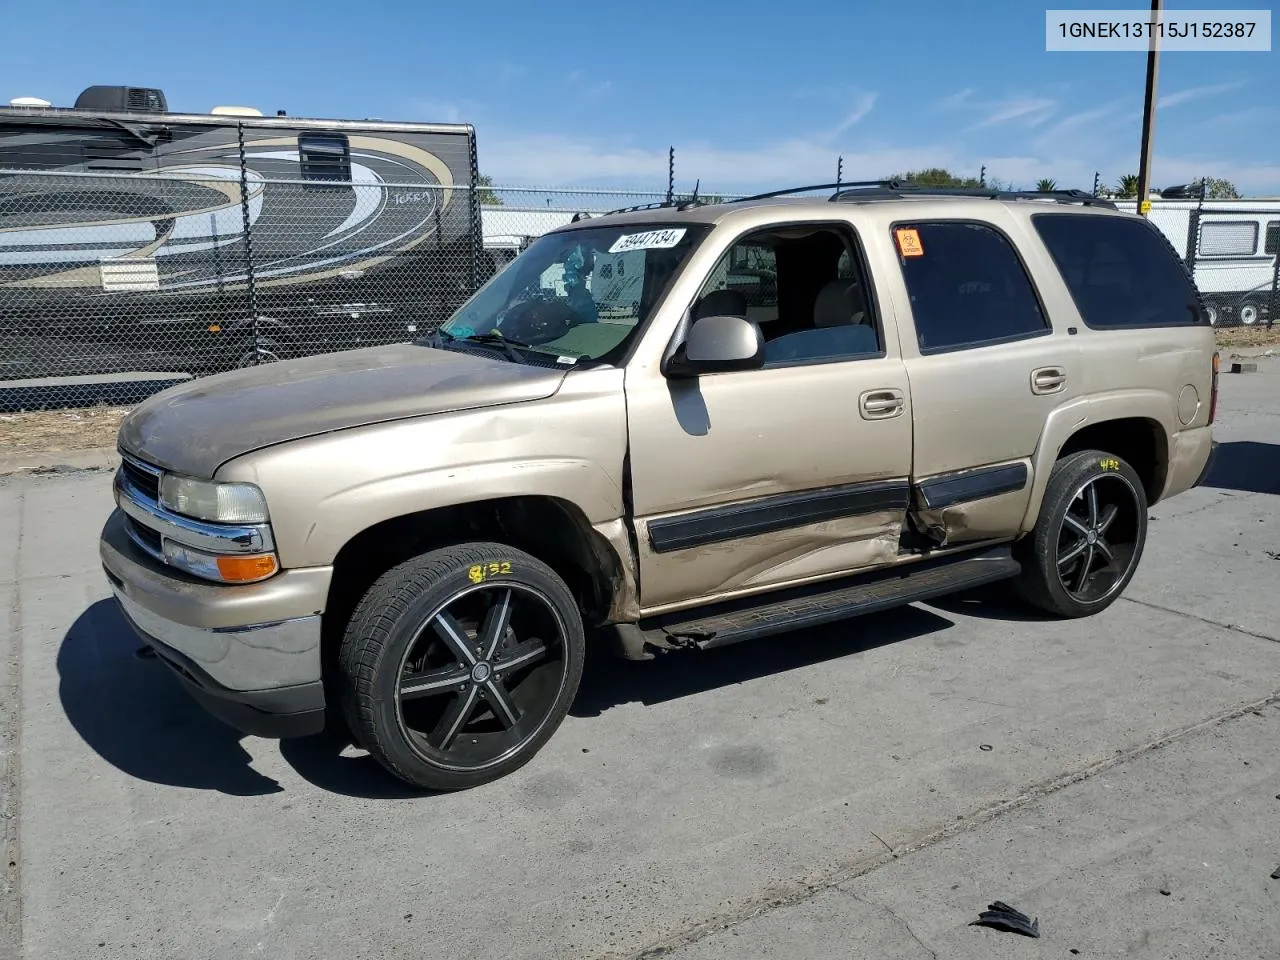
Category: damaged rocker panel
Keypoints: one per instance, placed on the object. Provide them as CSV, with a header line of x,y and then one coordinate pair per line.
x,y
780,512
950,489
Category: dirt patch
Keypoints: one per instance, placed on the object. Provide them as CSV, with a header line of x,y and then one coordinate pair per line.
x,y
58,431
1248,337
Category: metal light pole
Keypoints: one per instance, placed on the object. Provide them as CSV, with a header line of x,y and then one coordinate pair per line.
x,y
1149,111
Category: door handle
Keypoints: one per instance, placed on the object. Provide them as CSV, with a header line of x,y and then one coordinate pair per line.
x,y
1048,380
881,404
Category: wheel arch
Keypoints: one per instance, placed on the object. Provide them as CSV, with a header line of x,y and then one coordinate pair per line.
x,y
1136,426
552,529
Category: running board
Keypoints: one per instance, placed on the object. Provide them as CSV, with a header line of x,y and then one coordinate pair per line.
x,y
816,604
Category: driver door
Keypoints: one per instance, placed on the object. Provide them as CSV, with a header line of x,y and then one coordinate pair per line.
x,y
752,480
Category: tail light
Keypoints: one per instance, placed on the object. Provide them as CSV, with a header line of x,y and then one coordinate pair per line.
x,y
1213,393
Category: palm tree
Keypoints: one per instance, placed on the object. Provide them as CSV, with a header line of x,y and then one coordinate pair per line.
x,y
1127,186
1046,185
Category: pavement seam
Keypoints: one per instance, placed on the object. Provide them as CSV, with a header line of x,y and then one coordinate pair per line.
x,y
875,904
1234,628
803,889
11,778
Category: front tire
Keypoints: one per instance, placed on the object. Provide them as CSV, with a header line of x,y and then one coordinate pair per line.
x,y
1089,537
457,666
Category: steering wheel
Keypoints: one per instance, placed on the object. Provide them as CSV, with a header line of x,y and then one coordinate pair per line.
x,y
538,321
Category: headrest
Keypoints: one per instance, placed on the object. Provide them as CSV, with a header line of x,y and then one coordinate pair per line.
x,y
721,303
837,304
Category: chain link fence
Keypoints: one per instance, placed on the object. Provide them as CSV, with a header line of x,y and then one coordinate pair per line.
x,y
114,286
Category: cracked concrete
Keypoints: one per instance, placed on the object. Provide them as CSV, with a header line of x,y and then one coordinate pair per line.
x,y
819,792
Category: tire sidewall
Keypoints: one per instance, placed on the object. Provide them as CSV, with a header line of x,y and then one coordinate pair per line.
x,y
488,562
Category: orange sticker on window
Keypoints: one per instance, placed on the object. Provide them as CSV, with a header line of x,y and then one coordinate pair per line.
x,y
909,243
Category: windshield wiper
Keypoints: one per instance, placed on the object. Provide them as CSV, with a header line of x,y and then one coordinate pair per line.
x,y
508,345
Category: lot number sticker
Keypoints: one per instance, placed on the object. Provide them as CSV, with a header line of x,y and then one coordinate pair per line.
x,y
909,243
650,240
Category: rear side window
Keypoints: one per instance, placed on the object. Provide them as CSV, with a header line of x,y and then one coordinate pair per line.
x,y
968,288
1121,272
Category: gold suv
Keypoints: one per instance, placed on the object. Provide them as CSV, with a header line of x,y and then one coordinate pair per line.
x,y
673,427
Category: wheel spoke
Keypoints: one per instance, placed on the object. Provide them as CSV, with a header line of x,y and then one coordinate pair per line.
x,y
1108,517
432,682
496,622
1079,526
522,654
1104,548
1083,577
455,717
450,631
503,707
1079,548
1092,495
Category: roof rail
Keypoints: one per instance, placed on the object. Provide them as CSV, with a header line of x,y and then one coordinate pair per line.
x,y
901,190
684,204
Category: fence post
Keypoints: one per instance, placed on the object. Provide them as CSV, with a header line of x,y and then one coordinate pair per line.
x,y
1275,292
1193,228
477,220
248,241
671,173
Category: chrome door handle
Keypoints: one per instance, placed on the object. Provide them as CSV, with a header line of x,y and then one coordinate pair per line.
x,y
1048,380
882,404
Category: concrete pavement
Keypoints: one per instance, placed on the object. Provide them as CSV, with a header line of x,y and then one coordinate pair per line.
x,y
746,802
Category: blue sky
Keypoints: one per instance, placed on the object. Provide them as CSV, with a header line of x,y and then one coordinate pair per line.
x,y
751,93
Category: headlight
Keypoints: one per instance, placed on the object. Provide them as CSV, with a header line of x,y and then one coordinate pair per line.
x,y
215,502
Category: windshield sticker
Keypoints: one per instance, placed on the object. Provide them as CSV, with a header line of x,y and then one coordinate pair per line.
x,y
909,242
570,361
650,240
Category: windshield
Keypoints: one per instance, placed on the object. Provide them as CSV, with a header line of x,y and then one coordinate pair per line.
x,y
581,293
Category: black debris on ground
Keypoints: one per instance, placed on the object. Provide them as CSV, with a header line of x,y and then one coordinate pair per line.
x,y
1001,916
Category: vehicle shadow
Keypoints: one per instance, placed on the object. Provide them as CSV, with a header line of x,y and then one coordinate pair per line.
x,y
135,714
1247,466
609,682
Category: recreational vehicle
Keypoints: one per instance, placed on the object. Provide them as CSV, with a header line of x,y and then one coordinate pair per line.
x,y
133,238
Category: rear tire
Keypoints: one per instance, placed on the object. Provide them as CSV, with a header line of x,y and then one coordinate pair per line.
x,y
1089,537
457,666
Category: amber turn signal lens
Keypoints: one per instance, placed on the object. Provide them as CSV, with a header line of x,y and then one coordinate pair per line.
x,y
214,328
242,569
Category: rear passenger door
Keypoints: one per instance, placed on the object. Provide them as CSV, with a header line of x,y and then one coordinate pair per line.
x,y
986,367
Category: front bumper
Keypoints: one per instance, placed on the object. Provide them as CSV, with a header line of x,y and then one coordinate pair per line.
x,y
249,654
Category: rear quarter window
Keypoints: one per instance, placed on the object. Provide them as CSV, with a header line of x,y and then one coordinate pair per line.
x,y
1122,273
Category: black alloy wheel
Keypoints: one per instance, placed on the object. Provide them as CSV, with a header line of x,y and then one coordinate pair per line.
x,y
459,664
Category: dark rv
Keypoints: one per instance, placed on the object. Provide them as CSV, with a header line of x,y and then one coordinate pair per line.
x,y
137,239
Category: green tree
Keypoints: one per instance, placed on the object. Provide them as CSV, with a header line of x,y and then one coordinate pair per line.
x,y
1046,185
935,177
1216,188
1127,186
484,191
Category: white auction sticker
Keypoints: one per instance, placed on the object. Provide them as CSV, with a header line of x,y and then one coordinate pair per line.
x,y
650,240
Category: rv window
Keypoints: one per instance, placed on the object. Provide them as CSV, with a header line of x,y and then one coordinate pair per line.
x,y
1223,238
324,156
1273,238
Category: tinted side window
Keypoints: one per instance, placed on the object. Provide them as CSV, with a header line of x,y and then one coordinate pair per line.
x,y
1273,238
1121,272
967,286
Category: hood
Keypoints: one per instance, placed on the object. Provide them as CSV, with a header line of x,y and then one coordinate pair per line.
x,y
196,427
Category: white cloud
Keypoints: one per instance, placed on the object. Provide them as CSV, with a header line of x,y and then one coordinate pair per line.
x,y
1195,93
436,111
864,104
1032,111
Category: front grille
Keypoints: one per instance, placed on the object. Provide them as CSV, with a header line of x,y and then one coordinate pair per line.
x,y
144,537
145,481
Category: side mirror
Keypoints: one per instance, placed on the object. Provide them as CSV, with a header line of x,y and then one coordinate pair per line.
x,y
718,345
